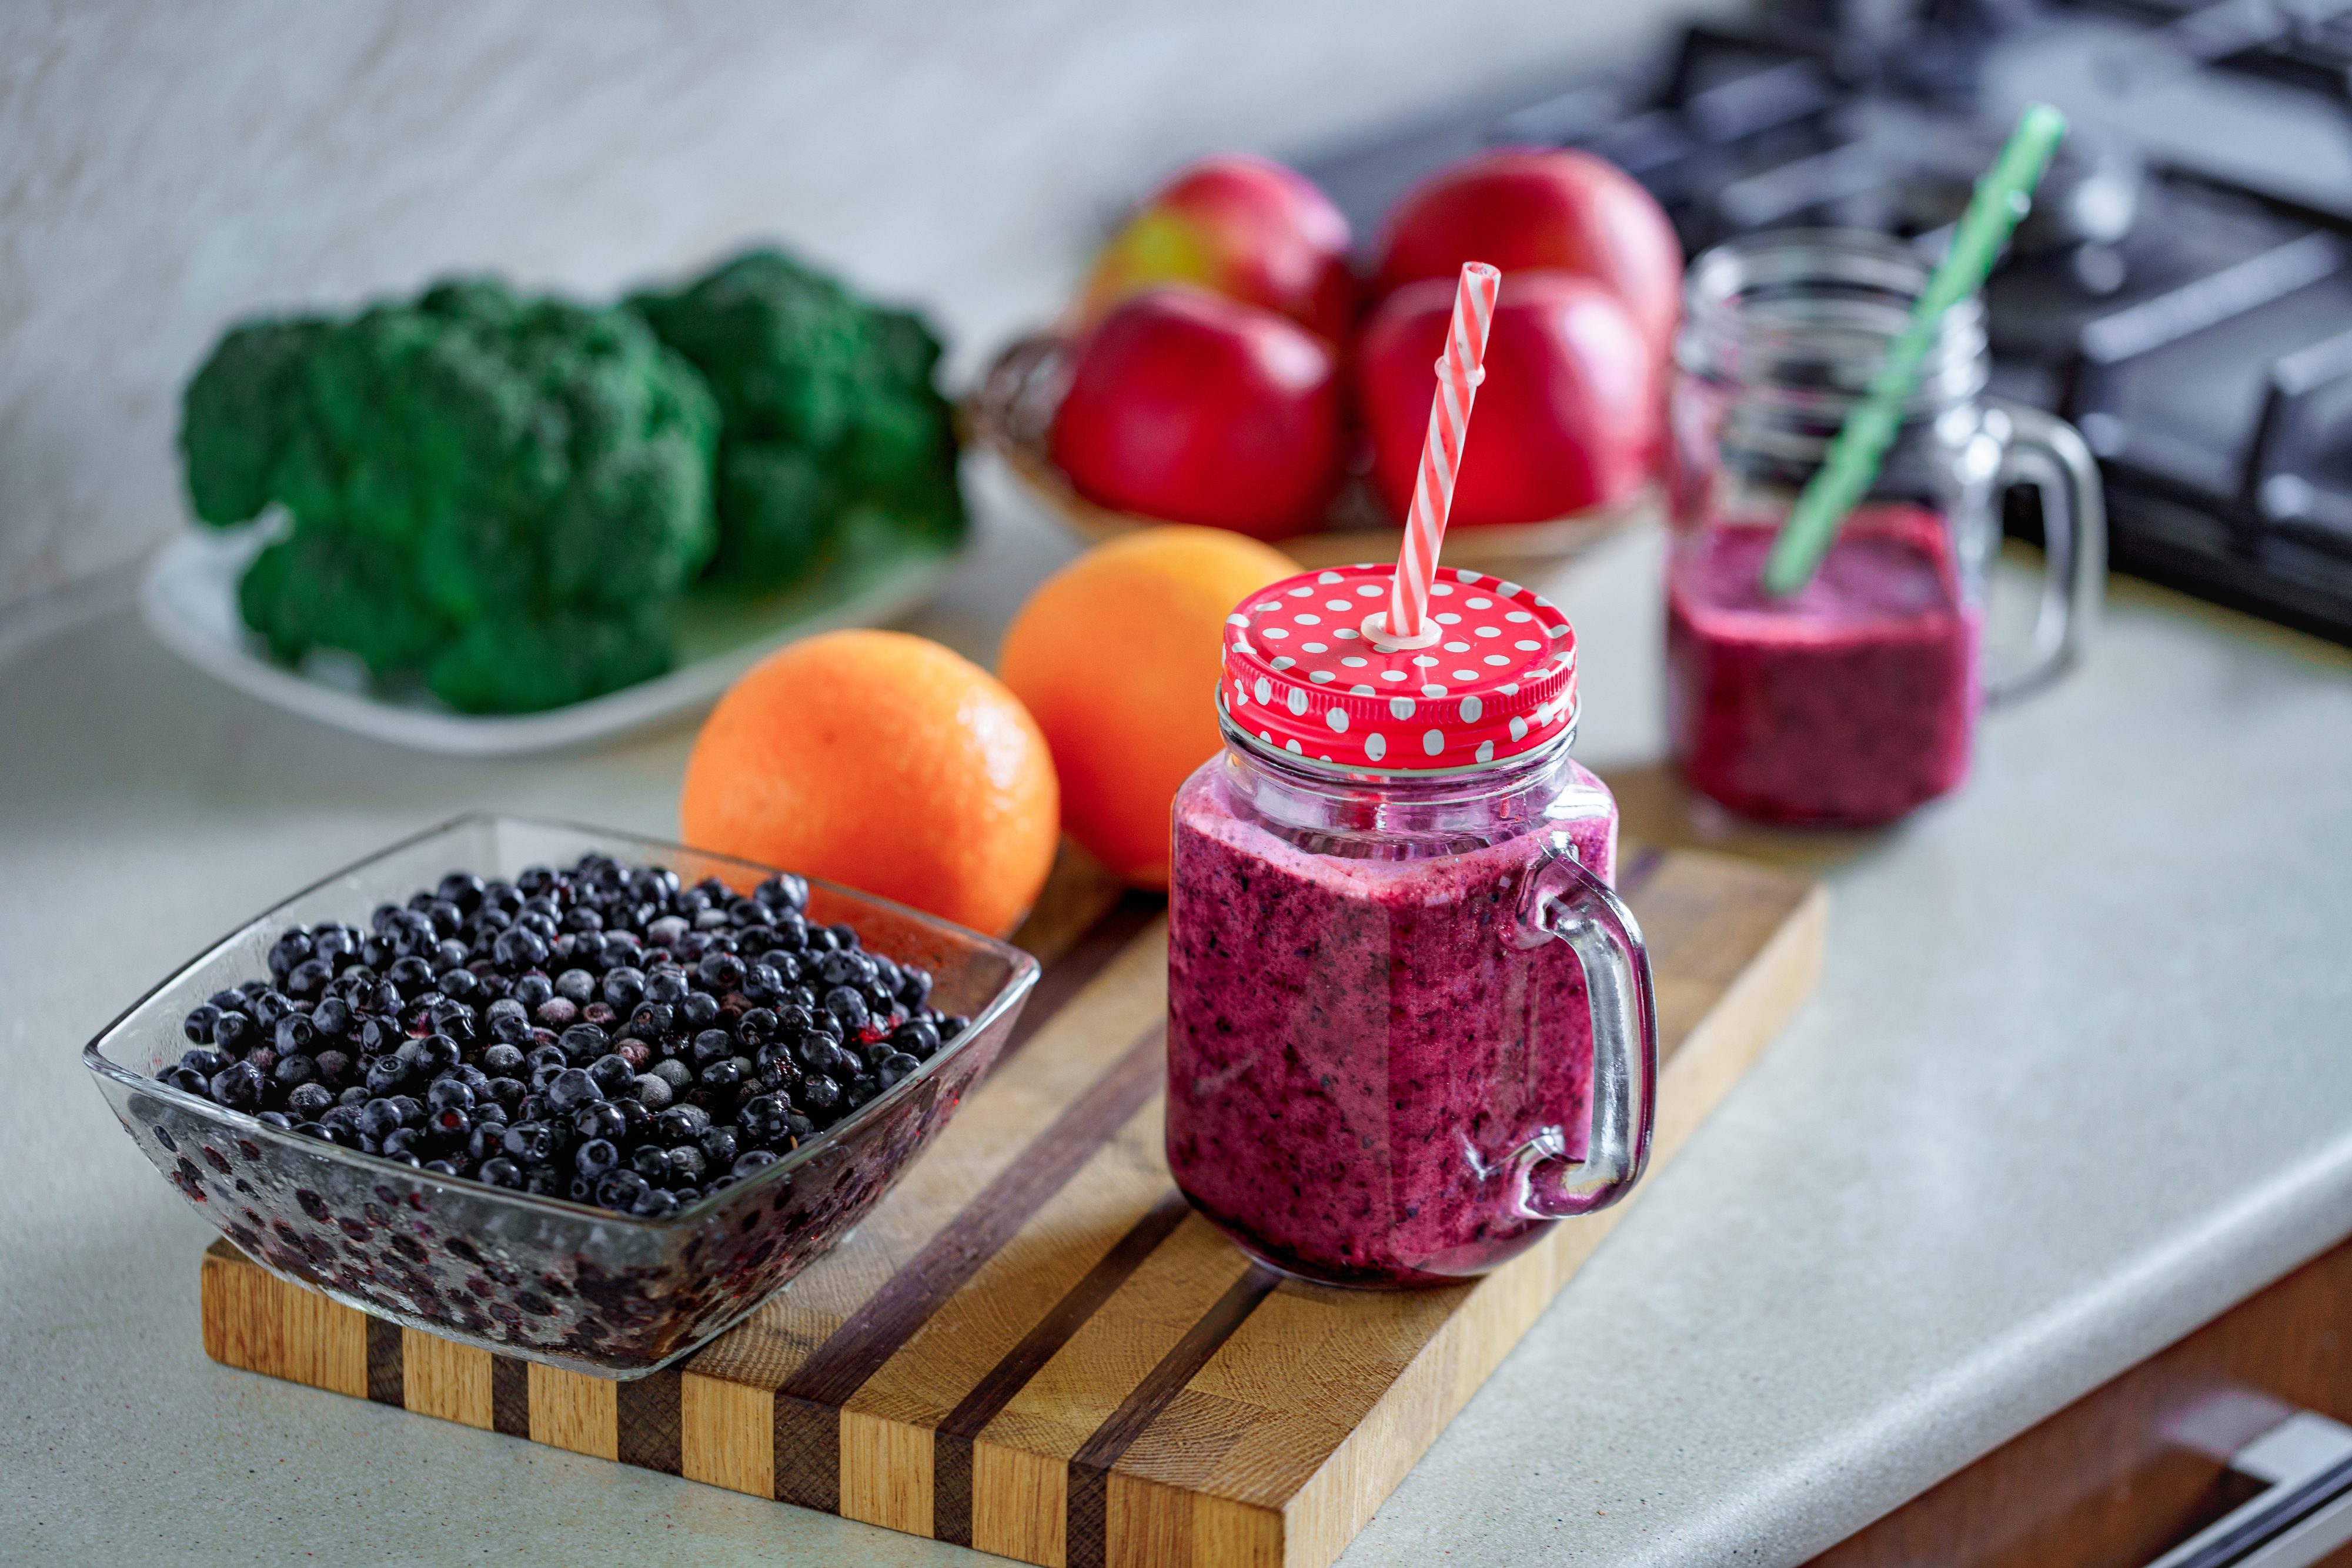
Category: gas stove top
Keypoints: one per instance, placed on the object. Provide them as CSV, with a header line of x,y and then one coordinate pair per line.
x,y
2182,291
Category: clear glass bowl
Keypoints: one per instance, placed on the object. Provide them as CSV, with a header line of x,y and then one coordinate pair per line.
x,y
540,1278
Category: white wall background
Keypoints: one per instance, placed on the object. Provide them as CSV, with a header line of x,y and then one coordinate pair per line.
x,y
166,168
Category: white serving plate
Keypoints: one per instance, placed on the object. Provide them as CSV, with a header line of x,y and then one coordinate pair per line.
x,y
188,600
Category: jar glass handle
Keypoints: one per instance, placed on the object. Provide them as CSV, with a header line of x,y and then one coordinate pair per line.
x,y
1561,901
2046,453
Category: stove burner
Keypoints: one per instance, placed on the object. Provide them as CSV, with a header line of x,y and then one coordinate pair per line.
x,y
2182,290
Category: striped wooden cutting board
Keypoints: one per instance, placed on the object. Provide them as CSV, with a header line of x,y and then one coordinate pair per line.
x,y
1032,1346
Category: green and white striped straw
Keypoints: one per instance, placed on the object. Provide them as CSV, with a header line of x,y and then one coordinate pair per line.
x,y
2003,197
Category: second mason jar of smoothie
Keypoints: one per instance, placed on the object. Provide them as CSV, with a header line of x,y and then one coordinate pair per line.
x,y
1410,1024
1854,700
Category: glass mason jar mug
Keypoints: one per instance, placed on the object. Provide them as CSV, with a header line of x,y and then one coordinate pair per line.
x,y
1854,700
1409,1025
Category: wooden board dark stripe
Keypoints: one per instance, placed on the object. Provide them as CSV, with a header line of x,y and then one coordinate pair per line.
x,y
645,1418
511,1396
1088,1509
808,1405
386,1375
951,1451
1033,1347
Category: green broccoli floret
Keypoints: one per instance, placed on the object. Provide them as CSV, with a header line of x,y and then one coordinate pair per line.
x,y
492,459
780,512
238,420
801,366
323,589
525,662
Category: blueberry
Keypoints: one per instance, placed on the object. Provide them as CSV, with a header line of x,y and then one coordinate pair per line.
x,y
332,1016
611,1074
818,1094
654,1203
289,949
207,1060
198,1025
916,1039
412,977
504,1093
584,1042
308,979
752,1160
652,1090
237,1086
784,891
386,1074
654,1020
435,1053
599,1119
449,1095
400,1141
234,1031
519,948
861,1088
354,1096
620,1188
668,987
596,1157
950,1024
188,1080
570,1090
722,972
765,1118
681,1123
294,1069
532,1143
674,1073
502,1059
334,1068
698,1011
624,988
577,986
848,1006
686,1163
441,1167
712,1045
723,1075
719,1145
533,992
411,1112
843,935
459,983
278,1119
846,968
500,1171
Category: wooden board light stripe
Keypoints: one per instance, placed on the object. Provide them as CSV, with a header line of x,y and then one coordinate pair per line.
x,y
1032,1346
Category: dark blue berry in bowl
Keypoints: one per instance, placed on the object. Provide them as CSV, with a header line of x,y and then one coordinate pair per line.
x,y
237,1086
569,1090
518,949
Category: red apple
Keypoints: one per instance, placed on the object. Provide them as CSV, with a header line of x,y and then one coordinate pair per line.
x,y
1192,408
1245,227
1523,209
1568,418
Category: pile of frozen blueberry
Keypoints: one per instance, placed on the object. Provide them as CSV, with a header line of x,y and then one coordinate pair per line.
x,y
607,1033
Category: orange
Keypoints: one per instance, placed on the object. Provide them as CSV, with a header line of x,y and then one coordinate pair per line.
x,y
1118,656
885,762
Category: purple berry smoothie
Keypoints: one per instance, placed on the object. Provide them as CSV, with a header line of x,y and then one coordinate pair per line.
x,y
1357,1048
1848,705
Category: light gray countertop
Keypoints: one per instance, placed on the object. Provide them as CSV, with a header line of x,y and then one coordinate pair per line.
x,y
2076,1079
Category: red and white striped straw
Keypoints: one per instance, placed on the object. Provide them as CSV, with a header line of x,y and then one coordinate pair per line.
x,y
1458,375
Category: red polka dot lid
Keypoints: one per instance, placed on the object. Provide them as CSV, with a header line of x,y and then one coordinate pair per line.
x,y
1302,674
